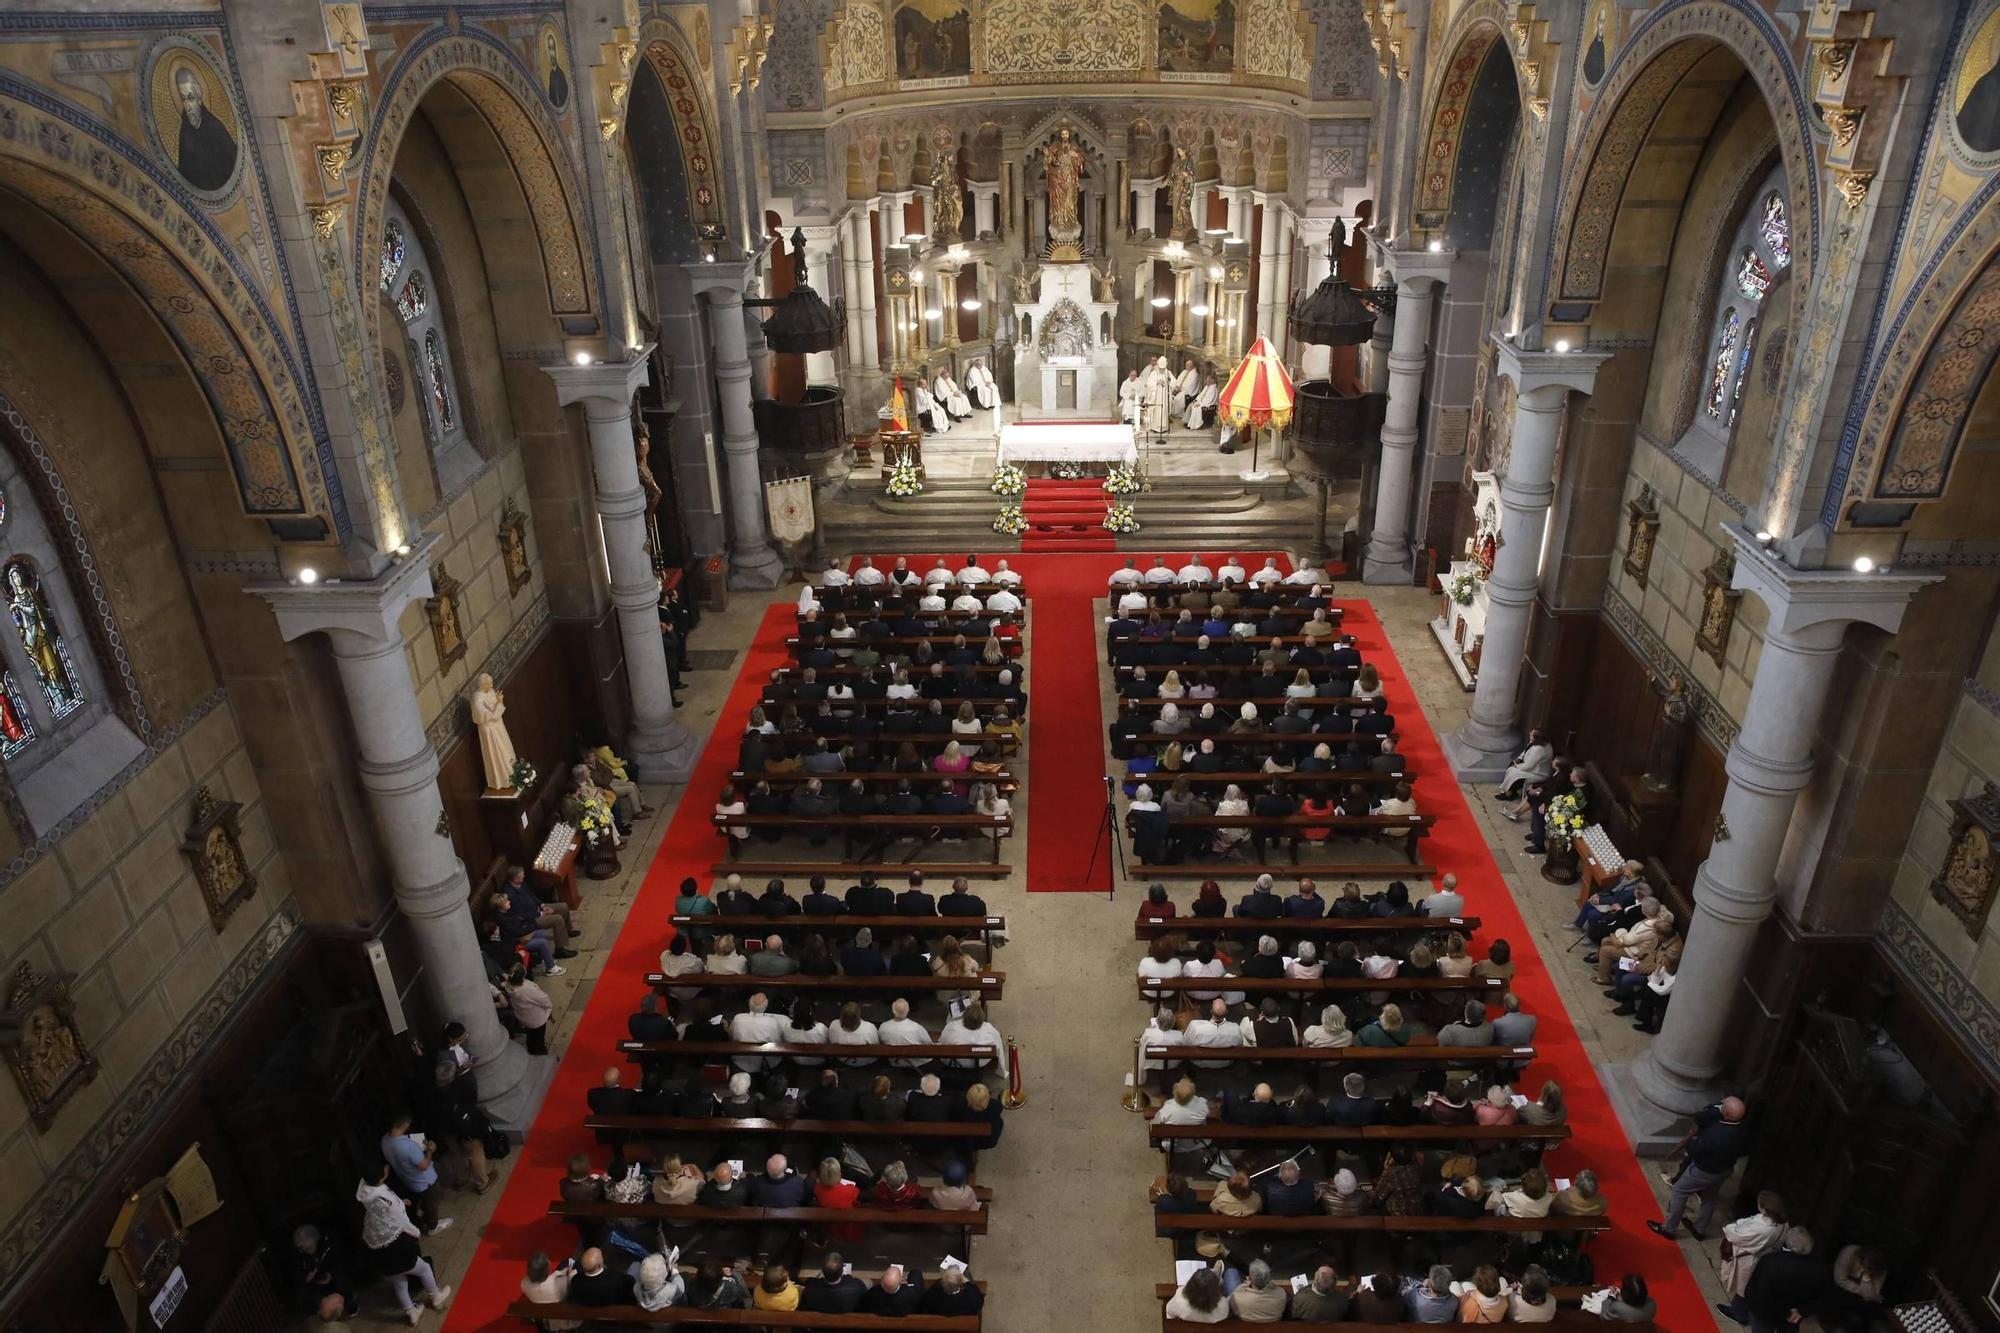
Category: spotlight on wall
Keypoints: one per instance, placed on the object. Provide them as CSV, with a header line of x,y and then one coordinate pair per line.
x,y
1162,302
969,303
1435,247
1763,537
916,275
404,549
581,358
912,237
1197,310
1562,344
307,574
933,313
1215,273
1863,565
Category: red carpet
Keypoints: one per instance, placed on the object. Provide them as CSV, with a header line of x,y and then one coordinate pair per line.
x,y
521,1224
1599,1143
1066,516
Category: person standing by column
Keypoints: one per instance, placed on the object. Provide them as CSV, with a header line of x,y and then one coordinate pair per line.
x,y
1719,1139
410,1156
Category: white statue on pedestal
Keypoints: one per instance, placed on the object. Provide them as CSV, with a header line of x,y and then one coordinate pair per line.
x,y
496,748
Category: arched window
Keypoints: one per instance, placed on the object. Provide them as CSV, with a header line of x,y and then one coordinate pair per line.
x,y
1759,251
59,739
409,281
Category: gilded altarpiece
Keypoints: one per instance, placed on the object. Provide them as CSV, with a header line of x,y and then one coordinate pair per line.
x,y
1970,876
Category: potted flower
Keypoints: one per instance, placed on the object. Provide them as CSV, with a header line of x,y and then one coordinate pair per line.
x,y
1462,588
1121,480
1009,480
905,481
1121,518
1563,824
1010,521
1066,471
522,779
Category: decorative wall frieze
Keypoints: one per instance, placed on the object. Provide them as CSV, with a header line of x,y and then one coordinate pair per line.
x,y
1709,716
30,1234
1984,697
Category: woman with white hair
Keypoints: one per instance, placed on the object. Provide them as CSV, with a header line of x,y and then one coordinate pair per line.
x,y
1142,799
1306,965
1228,840
657,1284
1170,722
1331,1030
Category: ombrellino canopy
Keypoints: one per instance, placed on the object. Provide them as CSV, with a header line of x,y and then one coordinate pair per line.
x,y
1260,392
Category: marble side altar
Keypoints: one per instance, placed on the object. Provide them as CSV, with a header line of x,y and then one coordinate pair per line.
x,y
1460,627
1065,363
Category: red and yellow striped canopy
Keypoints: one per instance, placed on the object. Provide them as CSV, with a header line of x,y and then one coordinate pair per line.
x,y
1260,392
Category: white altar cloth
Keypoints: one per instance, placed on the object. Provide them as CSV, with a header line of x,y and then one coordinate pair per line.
x,y
1068,442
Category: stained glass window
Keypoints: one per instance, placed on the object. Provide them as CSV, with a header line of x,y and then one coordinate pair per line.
x,y
440,387
1753,279
1725,360
1742,369
3,506
391,258
17,728
41,639
414,299
1776,230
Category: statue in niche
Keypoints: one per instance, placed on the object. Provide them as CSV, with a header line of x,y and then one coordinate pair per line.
x,y
1180,189
1105,282
1663,756
442,609
947,198
496,747
513,532
214,850
1062,166
1027,283
46,1052
1970,877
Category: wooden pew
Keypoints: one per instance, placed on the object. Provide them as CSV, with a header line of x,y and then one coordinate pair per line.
x,y
1262,739
686,1316
1167,1137
1253,780
1177,1224
1471,988
962,1224
851,826
943,1132
1011,646
1447,1056
986,985
757,927
1261,826
1235,669
1571,1321
828,1051
929,744
1334,871
786,673
983,707
943,871
1291,926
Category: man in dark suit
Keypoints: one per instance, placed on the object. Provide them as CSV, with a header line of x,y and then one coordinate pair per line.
x,y
1344,656
1458,1198
1238,652
1260,1108
819,902
775,902
1273,802
856,802
832,1099
735,900
1290,722
597,1286
833,1290
1389,761
1261,902
904,801
649,1024
862,958
944,801
608,1098
1352,1107
1377,721
952,1295
961,901
913,901
897,1295
871,899
1288,1194
927,1103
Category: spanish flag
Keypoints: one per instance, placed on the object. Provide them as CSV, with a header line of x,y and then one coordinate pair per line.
x,y
899,411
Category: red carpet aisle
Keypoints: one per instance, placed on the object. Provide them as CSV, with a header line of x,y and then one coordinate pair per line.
x,y
1457,844
1066,516
521,1224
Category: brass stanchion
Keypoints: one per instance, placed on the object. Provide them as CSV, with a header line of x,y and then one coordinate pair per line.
x,y
1016,1096
1135,1096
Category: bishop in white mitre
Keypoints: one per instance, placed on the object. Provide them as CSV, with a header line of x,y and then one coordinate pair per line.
x,y
1159,395
980,384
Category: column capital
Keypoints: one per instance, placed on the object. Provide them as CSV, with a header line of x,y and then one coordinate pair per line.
x,y
610,381
724,278
1417,271
366,609
1801,600
1531,371
1314,231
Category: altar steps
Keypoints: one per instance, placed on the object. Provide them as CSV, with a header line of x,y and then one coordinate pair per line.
x,y
1065,516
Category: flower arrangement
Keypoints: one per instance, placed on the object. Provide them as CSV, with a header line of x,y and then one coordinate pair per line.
x,y
593,820
523,776
1461,589
1121,480
1010,521
1009,480
1564,818
1120,518
905,481
1066,471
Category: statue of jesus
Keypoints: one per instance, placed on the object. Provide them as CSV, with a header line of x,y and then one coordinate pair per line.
x,y
1063,164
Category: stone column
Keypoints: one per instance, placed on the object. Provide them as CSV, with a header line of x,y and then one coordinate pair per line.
x,y
661,747
1378,358
1482,748
1769,764
753,561
759,352
1315,360
985,210
1146,204
820,368
1418,274
1267,269
1281,287
399,771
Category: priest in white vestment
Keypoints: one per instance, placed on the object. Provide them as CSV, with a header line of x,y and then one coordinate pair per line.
x,y
1186,386
946,391
1159,397
1129,396
1201,407
979,382
934,418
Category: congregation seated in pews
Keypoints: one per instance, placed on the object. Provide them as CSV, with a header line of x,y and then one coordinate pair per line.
x,y
1187,826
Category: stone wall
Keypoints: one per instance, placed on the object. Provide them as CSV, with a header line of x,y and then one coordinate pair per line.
x,y
116,904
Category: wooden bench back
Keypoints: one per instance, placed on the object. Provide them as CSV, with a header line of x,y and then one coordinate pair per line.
x,y
685,1315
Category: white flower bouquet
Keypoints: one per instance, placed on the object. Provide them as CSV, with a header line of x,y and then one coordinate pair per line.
x,y
1010,521
1121,518
905,481
1066,471
1009,480
1121,480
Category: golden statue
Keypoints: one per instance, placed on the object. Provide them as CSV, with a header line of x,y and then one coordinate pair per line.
x,y
1180,189
947,198
1062,166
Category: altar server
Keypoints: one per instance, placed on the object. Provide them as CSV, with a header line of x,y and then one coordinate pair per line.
x,y
1201,408
980,383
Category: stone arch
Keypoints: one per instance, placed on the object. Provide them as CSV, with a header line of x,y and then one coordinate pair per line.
x,y
132,213
1476,34
492,79
1653,65
663,52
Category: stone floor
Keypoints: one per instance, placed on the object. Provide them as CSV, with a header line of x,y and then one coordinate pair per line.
x,y
1070,1246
